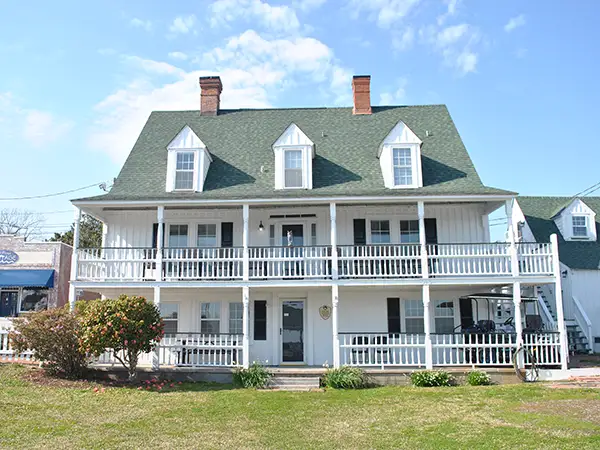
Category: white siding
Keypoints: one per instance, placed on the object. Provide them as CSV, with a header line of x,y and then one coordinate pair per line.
x,y
585,285
519,217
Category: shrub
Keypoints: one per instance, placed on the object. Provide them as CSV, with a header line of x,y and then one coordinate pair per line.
x,y
53,335
256,376
430,378
478,378
345,377
128,325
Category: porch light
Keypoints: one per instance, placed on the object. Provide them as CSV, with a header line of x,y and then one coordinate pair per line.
x,y
261,227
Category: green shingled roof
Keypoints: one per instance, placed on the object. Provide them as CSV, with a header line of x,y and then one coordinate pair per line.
x,y
240,143
539,212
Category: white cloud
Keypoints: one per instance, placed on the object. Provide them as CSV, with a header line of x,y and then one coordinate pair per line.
x,y
383,12
405,40
151,66
178,55
183,24
515,22
451,8
139,23
521,52
42,128
450,35
277,18
456,44
308,5
395,96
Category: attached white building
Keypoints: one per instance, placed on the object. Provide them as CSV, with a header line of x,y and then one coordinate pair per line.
x,y
316,235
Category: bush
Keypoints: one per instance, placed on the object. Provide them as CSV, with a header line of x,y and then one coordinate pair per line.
x,y
431,378
53,335
128,325
345,377
256,376
478,378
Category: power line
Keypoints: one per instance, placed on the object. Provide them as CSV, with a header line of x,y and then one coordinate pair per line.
x,y
56,194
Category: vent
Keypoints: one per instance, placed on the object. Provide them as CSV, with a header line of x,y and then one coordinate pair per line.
x,y
291,216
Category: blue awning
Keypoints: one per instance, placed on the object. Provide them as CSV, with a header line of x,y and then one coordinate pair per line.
x,y
27,278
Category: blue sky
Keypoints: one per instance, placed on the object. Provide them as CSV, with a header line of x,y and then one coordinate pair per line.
x,y
79,79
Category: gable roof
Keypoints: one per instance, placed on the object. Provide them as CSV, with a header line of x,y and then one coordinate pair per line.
x,y
539,213
240,143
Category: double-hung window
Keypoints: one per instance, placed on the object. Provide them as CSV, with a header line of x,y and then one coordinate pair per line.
x,y
293,169
413,313
380,232
409,231
169,312
178,236
236,311
579,226
210,318
207,235
402,165
444,316
184,171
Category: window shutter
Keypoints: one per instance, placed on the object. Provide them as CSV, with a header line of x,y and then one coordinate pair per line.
x,y
226,234
155,234
431,231
171,163
466,313
360,231
260,320
393,315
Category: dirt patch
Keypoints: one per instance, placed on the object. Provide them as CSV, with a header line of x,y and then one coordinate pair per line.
x,y
579,409
37,376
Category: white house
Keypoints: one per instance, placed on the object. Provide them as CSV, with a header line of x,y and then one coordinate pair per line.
x,y
307,236
576,223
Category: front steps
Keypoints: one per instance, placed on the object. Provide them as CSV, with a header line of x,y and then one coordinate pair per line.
x,y
578,343
290,382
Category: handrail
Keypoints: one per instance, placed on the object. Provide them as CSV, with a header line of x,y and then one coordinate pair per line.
x,y
587,330
546,311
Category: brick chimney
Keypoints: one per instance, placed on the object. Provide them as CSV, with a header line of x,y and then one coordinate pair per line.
x,y
361,90
210,95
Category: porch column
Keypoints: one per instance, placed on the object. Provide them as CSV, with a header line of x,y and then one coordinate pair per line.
x,y
335,325
159,242
74,259
560,313
156,353
514,259
427,327
333,239
245,326
518,316
245,250
422,239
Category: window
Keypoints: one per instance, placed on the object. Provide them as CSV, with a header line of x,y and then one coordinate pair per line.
x,y
414,312
293,169
207,235
444,316
210,318
178,236
579,226
409,231
260,320
393,315
184,171
170,315
34,300
271,235
402,164
380,231
236,314
313,234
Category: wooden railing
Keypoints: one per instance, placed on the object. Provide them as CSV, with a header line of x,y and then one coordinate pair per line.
x,y
382,349
479,349
384,261
6,351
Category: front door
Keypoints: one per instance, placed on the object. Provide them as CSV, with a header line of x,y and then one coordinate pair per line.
x,y
292,331
8,303
292,235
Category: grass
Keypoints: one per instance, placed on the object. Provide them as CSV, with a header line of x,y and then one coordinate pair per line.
x,y
63,415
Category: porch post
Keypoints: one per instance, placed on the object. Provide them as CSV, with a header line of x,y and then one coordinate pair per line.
x,y
422,239
156,353
514,259
335,325
518,316
245,327
427,327
560,314
74,259
245,250
334,253
159,242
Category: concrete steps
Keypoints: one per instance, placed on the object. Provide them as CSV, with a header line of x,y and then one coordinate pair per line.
x,y
293,382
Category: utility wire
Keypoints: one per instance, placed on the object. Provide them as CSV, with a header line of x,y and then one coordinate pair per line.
x,y
56,194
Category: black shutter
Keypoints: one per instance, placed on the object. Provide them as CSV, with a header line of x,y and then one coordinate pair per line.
x,y
226,234
466,313
431,231
360,231
393,315
260,320
155,235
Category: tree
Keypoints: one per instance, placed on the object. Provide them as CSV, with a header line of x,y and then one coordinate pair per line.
x,y
90,233
20,222
129,326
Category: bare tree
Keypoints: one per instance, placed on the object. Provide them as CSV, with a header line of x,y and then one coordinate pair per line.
x,y
20,222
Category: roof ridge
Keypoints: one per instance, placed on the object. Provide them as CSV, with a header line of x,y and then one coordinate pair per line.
x,y
306,108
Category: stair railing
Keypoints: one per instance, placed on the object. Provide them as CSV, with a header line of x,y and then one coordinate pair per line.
x,y
584,322
548,319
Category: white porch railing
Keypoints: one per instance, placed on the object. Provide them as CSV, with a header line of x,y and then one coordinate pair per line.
x,y
469,259
203,263
290,262
116,263
379,261
6,351
544,346
534,258
382,349
583,321
467,349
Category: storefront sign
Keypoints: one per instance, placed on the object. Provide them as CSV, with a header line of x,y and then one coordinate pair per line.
x,y
8,257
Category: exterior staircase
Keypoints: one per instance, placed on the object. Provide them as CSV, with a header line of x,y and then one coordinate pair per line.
x,y
294,382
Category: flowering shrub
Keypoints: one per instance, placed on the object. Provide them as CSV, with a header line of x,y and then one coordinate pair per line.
x,y
53,335
478,378
255,376
345,377
128,325
431,378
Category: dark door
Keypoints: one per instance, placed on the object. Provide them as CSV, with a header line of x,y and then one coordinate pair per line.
x,y
8,303
292,331
292,235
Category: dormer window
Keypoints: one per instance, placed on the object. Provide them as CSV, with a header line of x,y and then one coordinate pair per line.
x,y
402,164
293,169
294,153
400,158
188,161
184,171
576,221
580,227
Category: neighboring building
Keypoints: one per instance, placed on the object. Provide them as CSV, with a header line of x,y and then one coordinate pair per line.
x,y
316,235
33,276
575,221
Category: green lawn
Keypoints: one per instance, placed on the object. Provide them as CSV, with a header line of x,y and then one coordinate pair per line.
x,y
33,415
